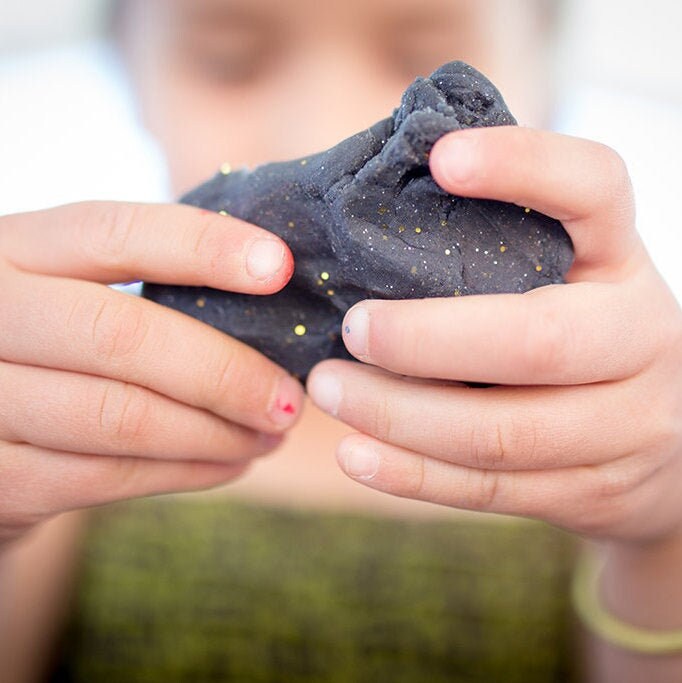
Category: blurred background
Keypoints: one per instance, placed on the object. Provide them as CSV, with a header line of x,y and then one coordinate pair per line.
x,y
68,130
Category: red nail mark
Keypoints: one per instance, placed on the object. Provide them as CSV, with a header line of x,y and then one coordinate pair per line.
x,y
286,407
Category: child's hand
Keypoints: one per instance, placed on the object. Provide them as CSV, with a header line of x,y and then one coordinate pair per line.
x,y
105,396
584,429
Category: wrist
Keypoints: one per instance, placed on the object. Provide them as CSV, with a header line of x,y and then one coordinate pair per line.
x,y
639,582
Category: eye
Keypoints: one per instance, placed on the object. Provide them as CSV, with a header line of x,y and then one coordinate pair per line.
x,y
229,54
418,44
230,66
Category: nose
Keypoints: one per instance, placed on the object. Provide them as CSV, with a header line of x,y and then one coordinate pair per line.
x,y
327,94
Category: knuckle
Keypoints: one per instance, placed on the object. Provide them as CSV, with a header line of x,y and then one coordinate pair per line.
x,y
508,439
206,248
615,178
615,167
486,447
123,412
609,495
128,477
381,424
238,381
487,490
118,328
621,478
415,485
107,231
223,378
663,434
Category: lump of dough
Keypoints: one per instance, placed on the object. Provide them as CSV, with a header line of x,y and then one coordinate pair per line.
x,y
365,219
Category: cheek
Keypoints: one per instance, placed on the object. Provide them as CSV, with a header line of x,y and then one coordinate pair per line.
x,y
200,127
199,130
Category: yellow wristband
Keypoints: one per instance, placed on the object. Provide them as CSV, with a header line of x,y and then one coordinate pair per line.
x,y
585,597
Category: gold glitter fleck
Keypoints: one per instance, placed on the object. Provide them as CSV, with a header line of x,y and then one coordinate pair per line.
x,y
413,270
503,248
225,168
330,292
382,210
538,268
385,238
417,229
401,228
300,330
223,213
448,252
457,293
319,282
291,224
526,210
324,276
201,302
443,223
304,162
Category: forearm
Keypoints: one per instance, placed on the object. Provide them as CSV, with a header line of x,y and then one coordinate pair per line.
x,y
642,586
35,578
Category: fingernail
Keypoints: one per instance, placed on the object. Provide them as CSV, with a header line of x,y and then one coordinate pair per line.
x,y
265,259
326,391
287,403
356,331
455,158
359,462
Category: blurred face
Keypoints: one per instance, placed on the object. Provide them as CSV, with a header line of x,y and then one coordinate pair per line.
x,y
250,81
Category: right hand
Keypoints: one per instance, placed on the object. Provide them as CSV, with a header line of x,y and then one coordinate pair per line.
x,y
105,396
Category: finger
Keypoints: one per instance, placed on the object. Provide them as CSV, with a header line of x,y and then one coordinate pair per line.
x,y
86,414
88,328
37,482
564,334
116,242
498,428
582,183
584,500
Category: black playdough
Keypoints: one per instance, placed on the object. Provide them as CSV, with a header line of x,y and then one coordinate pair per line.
x,y
365,219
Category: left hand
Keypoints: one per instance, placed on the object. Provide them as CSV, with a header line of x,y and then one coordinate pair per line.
x,y
583,428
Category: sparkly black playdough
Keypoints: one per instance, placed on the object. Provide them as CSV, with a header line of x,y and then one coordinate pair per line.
x,y
365,219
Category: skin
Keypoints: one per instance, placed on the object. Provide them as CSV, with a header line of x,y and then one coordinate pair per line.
x,y
584,426
562,436
93,410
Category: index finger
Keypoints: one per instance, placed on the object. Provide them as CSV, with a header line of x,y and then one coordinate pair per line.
x,y
175,244
581,183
